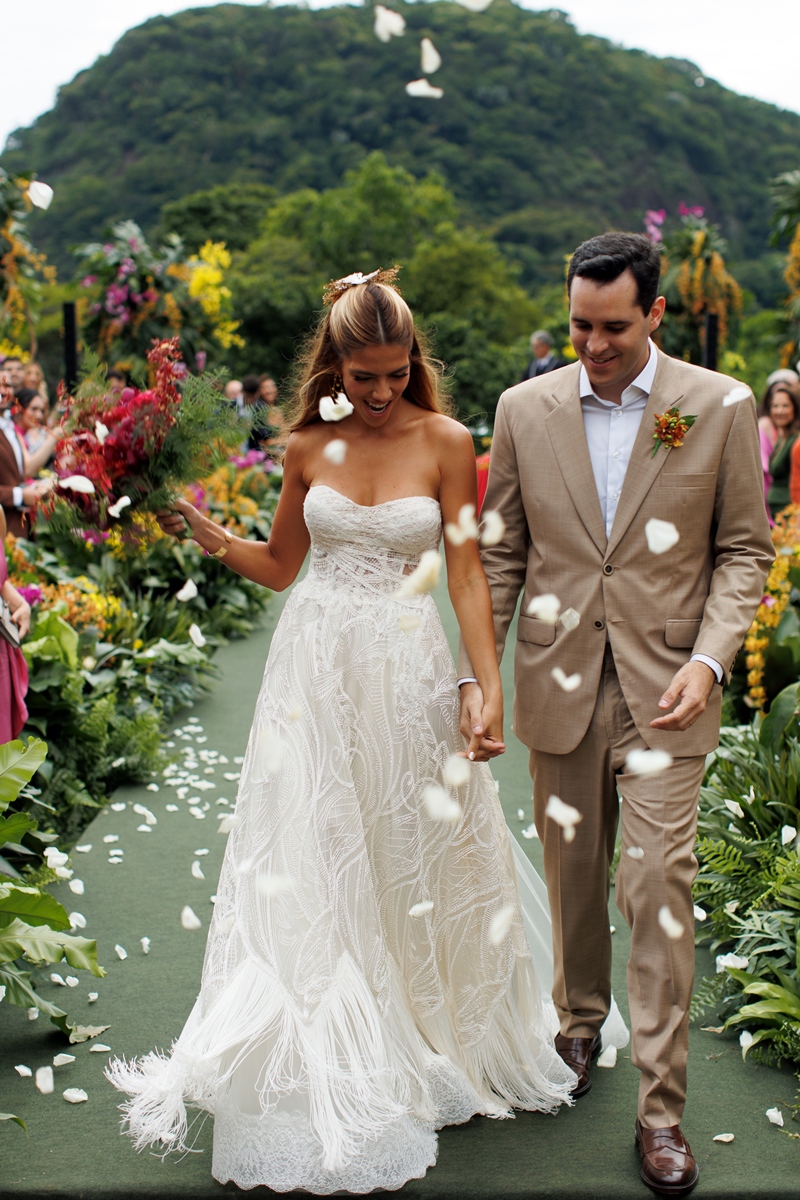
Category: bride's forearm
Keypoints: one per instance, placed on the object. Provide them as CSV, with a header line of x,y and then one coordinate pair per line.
x,y
253,560
473,608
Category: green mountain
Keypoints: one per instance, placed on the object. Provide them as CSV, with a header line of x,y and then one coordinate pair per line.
x,y
544,135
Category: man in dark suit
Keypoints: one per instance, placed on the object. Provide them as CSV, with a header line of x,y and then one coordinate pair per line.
x,y
543,360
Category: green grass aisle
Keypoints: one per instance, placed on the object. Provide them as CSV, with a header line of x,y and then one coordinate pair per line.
x,y
77,1152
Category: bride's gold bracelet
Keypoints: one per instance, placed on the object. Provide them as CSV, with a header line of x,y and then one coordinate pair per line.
x,y
223,550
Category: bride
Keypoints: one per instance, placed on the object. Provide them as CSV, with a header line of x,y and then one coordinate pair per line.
x,y
367,977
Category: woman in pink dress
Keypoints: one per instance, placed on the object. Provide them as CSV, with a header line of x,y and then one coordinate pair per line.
x,y
13,668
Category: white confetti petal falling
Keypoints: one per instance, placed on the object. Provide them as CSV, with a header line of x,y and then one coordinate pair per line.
x,y
734,807
197,870
422,89
501,923
723,1137
187,592
75,1095
430,58
100,431
409,622
77,483
545,607
520,814
635,852
388,24
661,536
440,806
564,815
40,194
121,951
567,683
189,919
530,833
145,943
196,634
44,1080
648,762
274,885
608,1058
735,395
336,451
24,1071
456,771
788,834
672,927
774,1116
115,510
475,6
570,619
61,1060
421,909
737,961
424,578
700,914
466,528
493,528
331,409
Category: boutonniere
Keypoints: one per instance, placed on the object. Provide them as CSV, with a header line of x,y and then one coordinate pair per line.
x,y
671,428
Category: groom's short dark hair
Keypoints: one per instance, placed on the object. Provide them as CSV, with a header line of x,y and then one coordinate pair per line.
x,y
604,259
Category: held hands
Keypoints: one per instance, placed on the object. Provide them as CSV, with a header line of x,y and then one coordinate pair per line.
x,y
692,684
481,724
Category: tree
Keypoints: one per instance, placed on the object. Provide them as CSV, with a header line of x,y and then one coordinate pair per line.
x,y
230,213
696,282
786,197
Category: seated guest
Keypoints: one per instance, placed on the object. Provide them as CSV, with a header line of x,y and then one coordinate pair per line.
x,y
543,360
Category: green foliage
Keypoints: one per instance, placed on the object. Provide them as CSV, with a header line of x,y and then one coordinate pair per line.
x,y
535,119
229,213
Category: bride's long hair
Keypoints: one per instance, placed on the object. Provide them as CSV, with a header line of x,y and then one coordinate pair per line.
x,y
372,313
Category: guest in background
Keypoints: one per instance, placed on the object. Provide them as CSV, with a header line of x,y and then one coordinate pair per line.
x,y
259,406
31,420
233,394
767,433
116,381
268,392
13,668
784,412
17,465
543,360
33,377
13,371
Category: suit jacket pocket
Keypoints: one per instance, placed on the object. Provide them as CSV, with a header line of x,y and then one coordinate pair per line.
x,y
531,629
680,633
701,479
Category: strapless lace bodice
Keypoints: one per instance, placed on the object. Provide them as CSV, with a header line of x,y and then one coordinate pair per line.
x,y
358,547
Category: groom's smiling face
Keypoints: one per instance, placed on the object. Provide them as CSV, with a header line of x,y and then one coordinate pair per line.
x,y
610,331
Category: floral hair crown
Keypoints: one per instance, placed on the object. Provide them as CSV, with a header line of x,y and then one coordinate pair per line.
x,y
337,287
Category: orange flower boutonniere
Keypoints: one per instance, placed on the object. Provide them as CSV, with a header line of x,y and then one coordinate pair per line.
x,y
671,429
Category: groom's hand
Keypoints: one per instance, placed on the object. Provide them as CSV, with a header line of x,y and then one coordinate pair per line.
x,y
482,746
692,685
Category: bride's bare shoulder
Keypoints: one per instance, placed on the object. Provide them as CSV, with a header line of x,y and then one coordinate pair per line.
x,y
448,433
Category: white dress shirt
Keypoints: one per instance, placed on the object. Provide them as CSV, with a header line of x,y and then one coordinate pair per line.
x,y
611,431
8,428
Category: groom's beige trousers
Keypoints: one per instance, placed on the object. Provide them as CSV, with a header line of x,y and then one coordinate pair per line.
x,y
659,817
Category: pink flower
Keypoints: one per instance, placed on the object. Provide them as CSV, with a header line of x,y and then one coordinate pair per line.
x,y
655,216
201,358
88,280
31,593
690,210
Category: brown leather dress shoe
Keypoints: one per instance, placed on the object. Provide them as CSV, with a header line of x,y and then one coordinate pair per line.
x,y
668,1166
578,1053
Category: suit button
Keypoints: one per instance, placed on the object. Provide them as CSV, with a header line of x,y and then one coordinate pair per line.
x,y
608,569
599,624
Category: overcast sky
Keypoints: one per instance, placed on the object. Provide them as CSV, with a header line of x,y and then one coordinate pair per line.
x,y
749,47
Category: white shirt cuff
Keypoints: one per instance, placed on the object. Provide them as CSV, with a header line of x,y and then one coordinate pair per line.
x,y
16,497
710,662
466,679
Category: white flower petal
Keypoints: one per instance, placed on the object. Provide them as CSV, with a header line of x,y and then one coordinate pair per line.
x,y
187,592
745,1039
608,1058
337,409
570,619
494,528
567,682
564,815
99,1048
109,838
119,806
420,909
424,578
44,1080
121,951
153,787
75,1095
61,1060
736,394
388,23
197,870
475,5
788,834
422,89
430,58
189,919
172,808
530,832
24,1071
64,872
72,981
700,914
76,886
55,858
196,634
93,997
119,762
40,194
635,852
737,961
723,1137
775,1116
273,885
520,814
144,828
456,771
56,978
672,928
145,942
501,923
335,451
648,762
77,483
546,607
201,853
734,807
100,431
227,822
661,535
83,849
33,1014
115,510
440,806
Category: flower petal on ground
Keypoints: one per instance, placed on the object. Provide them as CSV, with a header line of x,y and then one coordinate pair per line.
x,y
144,829
196,634
735,395
420,909
567,683
456,771
672,927
734,807
72,981
723,1137
145,941
121,951
76,886
564,815
83,849
570,619
648,762
661,535
422,89
424,578
501,923
44,1080
56,978
99,1048
187,592
546,607
440,806
55,858
608,1058
430,58
24,1071
335,451
520,814
75,1095
61,1060
189,919
493,528
33,1014
197,870
93,997
337,409
110,838
119,806
775,1116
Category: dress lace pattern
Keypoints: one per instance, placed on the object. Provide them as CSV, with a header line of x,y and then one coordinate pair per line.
x,y
334,1032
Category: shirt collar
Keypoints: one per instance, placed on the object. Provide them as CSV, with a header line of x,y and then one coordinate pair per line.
x,y
643,381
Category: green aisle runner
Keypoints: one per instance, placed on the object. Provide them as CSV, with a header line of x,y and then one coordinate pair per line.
x,y
76,1151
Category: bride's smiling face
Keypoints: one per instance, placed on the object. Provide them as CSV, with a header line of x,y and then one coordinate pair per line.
x,y
374,379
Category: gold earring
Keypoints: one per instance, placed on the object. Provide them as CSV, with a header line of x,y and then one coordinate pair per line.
x,y
338,385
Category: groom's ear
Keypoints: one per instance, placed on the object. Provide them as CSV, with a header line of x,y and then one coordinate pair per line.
x,y
657,313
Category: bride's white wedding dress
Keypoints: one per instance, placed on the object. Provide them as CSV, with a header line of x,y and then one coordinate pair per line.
x,y
335,1031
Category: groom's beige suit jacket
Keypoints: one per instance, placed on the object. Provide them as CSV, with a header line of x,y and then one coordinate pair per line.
x,y
656,610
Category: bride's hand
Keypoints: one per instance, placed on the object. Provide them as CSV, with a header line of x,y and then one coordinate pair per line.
x,y
481,724
492,743
174,520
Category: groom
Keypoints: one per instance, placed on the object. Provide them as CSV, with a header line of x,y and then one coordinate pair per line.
x,y
577,475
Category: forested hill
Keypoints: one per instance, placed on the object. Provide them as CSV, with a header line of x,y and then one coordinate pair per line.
x,y
543,133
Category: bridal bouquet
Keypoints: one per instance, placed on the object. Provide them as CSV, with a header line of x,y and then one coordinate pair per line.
x,y
136,451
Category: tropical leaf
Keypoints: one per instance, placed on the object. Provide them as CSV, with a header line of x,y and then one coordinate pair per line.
x,y
39,944
14,827
20,992
780,716
10,1117
32,906
18,765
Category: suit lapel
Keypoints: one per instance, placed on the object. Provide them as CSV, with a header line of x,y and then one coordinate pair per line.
x,y
644,466
567,435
